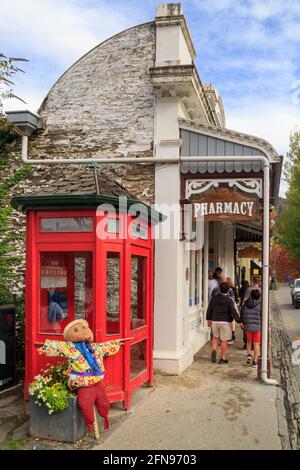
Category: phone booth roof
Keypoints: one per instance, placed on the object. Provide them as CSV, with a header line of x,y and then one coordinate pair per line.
x,y
80,188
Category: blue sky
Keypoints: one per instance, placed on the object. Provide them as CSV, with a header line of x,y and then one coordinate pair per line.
x,y
248,49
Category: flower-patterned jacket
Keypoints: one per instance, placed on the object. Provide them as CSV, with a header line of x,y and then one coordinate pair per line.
x,y
79,371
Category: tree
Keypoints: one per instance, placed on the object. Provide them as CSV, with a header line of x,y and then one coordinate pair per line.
x,y
289,221
7,70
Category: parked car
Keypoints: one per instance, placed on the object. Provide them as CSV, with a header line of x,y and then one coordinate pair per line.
x,y
295,293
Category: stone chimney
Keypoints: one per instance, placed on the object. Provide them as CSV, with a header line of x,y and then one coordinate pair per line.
x,y
169,9
174,45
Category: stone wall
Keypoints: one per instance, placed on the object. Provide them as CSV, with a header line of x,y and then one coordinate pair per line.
x,y
102,106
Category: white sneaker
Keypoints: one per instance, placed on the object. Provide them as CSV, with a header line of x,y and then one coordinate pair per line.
x,y
249,359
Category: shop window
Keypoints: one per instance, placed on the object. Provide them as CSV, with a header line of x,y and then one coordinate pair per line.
x,y
195,278
191,278
83,293
137,358
65,289
113,293
138,292
66,224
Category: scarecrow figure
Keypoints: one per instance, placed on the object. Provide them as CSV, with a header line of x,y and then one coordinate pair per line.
x,y
86,369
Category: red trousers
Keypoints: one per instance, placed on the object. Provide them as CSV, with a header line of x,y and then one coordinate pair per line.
x,y
90,396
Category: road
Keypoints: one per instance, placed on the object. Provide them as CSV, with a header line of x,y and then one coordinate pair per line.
x,y
290,316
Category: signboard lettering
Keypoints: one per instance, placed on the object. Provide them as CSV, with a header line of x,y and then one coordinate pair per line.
x,y
225,205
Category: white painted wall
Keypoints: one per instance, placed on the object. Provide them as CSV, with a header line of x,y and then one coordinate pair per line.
x,y
171,45
184,53
168,45
229,251
175,342
168,283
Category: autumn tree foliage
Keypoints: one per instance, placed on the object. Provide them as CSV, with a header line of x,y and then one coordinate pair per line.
x,y
289,221
8,69
283,263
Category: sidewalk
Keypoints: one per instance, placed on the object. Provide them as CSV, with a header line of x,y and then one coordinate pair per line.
x,y
209,406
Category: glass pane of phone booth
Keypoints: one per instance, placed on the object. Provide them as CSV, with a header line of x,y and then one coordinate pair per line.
x,y
66,224
138,292
113,293
66,294
137,358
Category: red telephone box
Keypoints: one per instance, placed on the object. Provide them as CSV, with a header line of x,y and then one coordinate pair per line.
x,y
82,262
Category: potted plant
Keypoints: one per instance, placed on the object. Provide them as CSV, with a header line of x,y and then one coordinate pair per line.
x,y
54,413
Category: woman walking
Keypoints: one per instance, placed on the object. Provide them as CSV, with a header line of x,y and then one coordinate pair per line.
x,y
232,293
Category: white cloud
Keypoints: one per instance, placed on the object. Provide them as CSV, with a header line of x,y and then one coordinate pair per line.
x,y
272,121
248,48
269,120
57,30
53,34
32,96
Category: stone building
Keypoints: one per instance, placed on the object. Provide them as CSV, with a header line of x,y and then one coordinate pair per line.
x,y
137,95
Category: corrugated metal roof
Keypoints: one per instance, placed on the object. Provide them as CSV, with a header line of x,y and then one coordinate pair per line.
x,y
196,144
220,167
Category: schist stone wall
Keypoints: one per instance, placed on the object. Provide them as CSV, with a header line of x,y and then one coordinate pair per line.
x,y
103,106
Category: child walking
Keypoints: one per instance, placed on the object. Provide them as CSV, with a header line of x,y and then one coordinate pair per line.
x,y
251,324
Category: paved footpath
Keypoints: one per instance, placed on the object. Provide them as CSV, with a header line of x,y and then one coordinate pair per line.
x,y
209,406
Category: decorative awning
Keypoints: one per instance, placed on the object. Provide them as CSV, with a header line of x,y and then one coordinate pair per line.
x,y
197,144
199,139
220,167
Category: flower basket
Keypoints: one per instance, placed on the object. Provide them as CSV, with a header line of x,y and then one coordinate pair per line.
x,y
66,426
54,413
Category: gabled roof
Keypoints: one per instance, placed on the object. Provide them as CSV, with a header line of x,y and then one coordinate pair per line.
x,y
231,135
200,139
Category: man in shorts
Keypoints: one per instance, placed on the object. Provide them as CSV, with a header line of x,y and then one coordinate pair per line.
x,y
220,313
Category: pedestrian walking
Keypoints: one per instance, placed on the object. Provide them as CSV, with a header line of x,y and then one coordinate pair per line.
x,y
242,291
234,297
251,324
255,285
220,313
214,282
273,282
216,290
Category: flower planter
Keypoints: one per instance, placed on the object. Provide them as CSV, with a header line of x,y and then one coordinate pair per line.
x,y
66,426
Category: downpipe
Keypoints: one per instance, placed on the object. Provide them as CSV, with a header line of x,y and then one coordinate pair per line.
x,y
266,269
266,221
